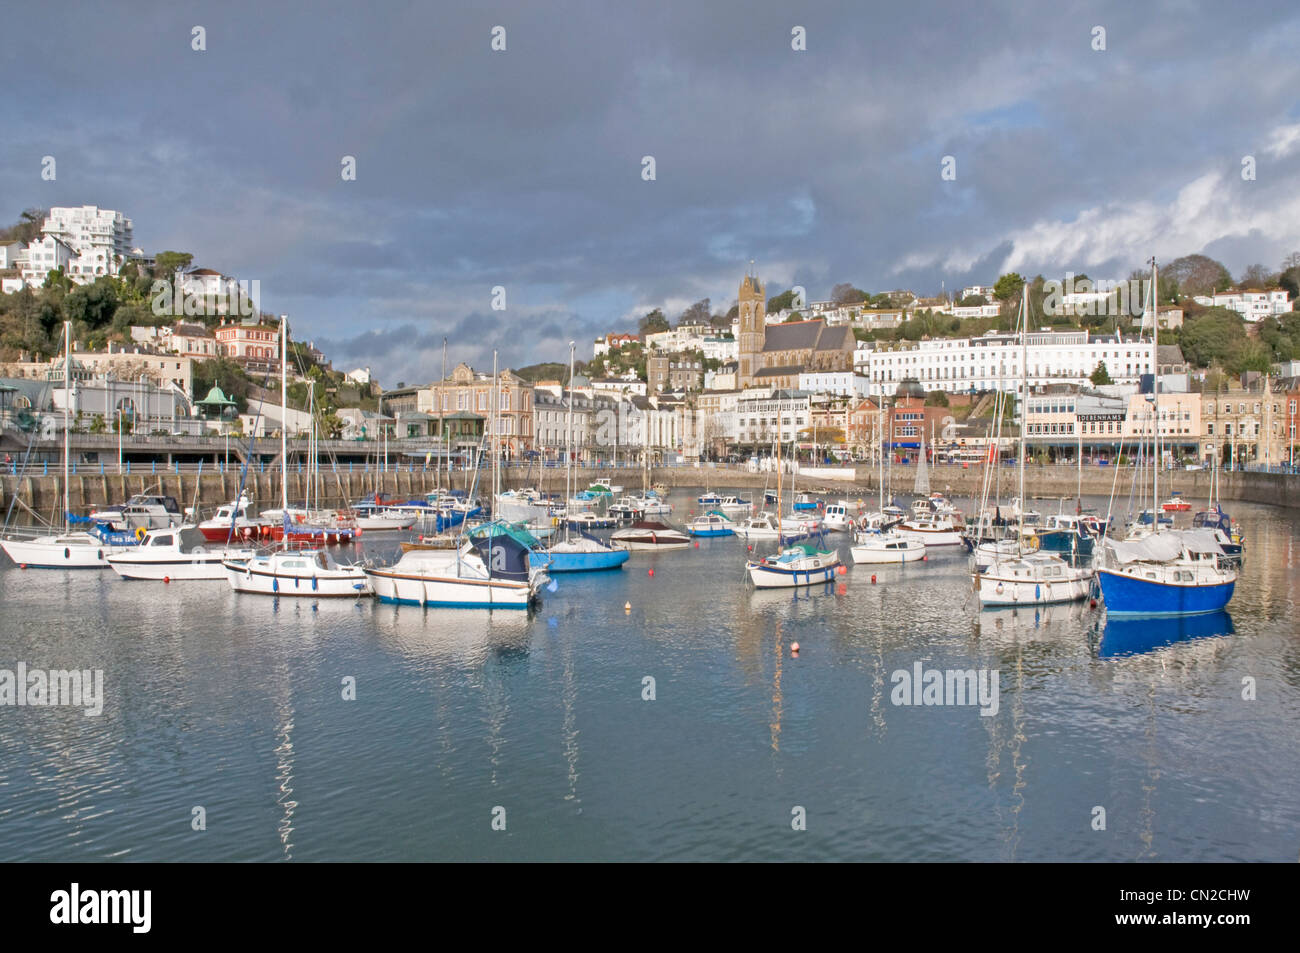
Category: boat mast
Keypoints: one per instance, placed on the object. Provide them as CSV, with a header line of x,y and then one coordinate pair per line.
x,y
1024,407
442,424
1155,405
568,451
880,451
67,406
284,428
496,455
778,475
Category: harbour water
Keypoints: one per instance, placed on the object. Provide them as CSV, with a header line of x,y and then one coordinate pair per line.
x,y
235,704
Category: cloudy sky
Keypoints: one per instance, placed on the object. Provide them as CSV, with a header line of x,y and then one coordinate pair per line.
x,y
523,168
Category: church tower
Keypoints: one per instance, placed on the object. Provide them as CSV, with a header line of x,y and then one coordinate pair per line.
x,y
752,331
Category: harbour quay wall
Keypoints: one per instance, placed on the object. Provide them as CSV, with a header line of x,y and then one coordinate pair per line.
x,y
43,492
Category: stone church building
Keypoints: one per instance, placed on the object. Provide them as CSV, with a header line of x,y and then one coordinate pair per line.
x,y
775,355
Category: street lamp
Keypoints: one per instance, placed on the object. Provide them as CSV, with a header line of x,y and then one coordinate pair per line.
x,y
119,438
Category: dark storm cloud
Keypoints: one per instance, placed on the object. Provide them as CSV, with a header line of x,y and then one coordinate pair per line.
x,y
522,168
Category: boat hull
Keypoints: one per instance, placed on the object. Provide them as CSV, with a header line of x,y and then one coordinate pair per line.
x,y
51,553
191,568
931,538
448,591
877,554
770,577
586,562
1128,594
323,585
996,591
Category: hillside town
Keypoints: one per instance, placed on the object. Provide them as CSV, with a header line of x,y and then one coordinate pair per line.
x,y
833,380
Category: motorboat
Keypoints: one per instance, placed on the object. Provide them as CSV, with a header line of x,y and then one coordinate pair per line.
x,y
836,517
1032,579
799,565
590,521
175,554
877,547
492,568
733,506
1176,503
310,573
990,551
651,536
1166,573
142,511
805,502
70,550
233,521
932,530
1227,532
711,524
765,525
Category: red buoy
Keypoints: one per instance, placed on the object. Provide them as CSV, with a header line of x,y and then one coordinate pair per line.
x,y
873,578
697,544
842,570
167,579
650,572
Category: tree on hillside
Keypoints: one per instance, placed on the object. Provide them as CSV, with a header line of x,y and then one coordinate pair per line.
x,y
653,323
1257,276
27,229
845,293
1211,337
972,301
1198,275
167,263
1290,280
93,304
697,313
1100,375
1007,287
778,303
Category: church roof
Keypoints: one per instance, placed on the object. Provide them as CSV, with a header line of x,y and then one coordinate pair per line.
x,y
812,335
788,370
832,339
795,336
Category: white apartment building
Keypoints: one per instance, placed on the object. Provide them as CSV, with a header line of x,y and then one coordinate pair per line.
x,y
994,361
1251,305
12,255
762,414
985,290
620,385
101,237
722,349
838,383
45,255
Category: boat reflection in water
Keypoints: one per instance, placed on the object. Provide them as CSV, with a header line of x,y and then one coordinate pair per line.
x,y
1129,636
